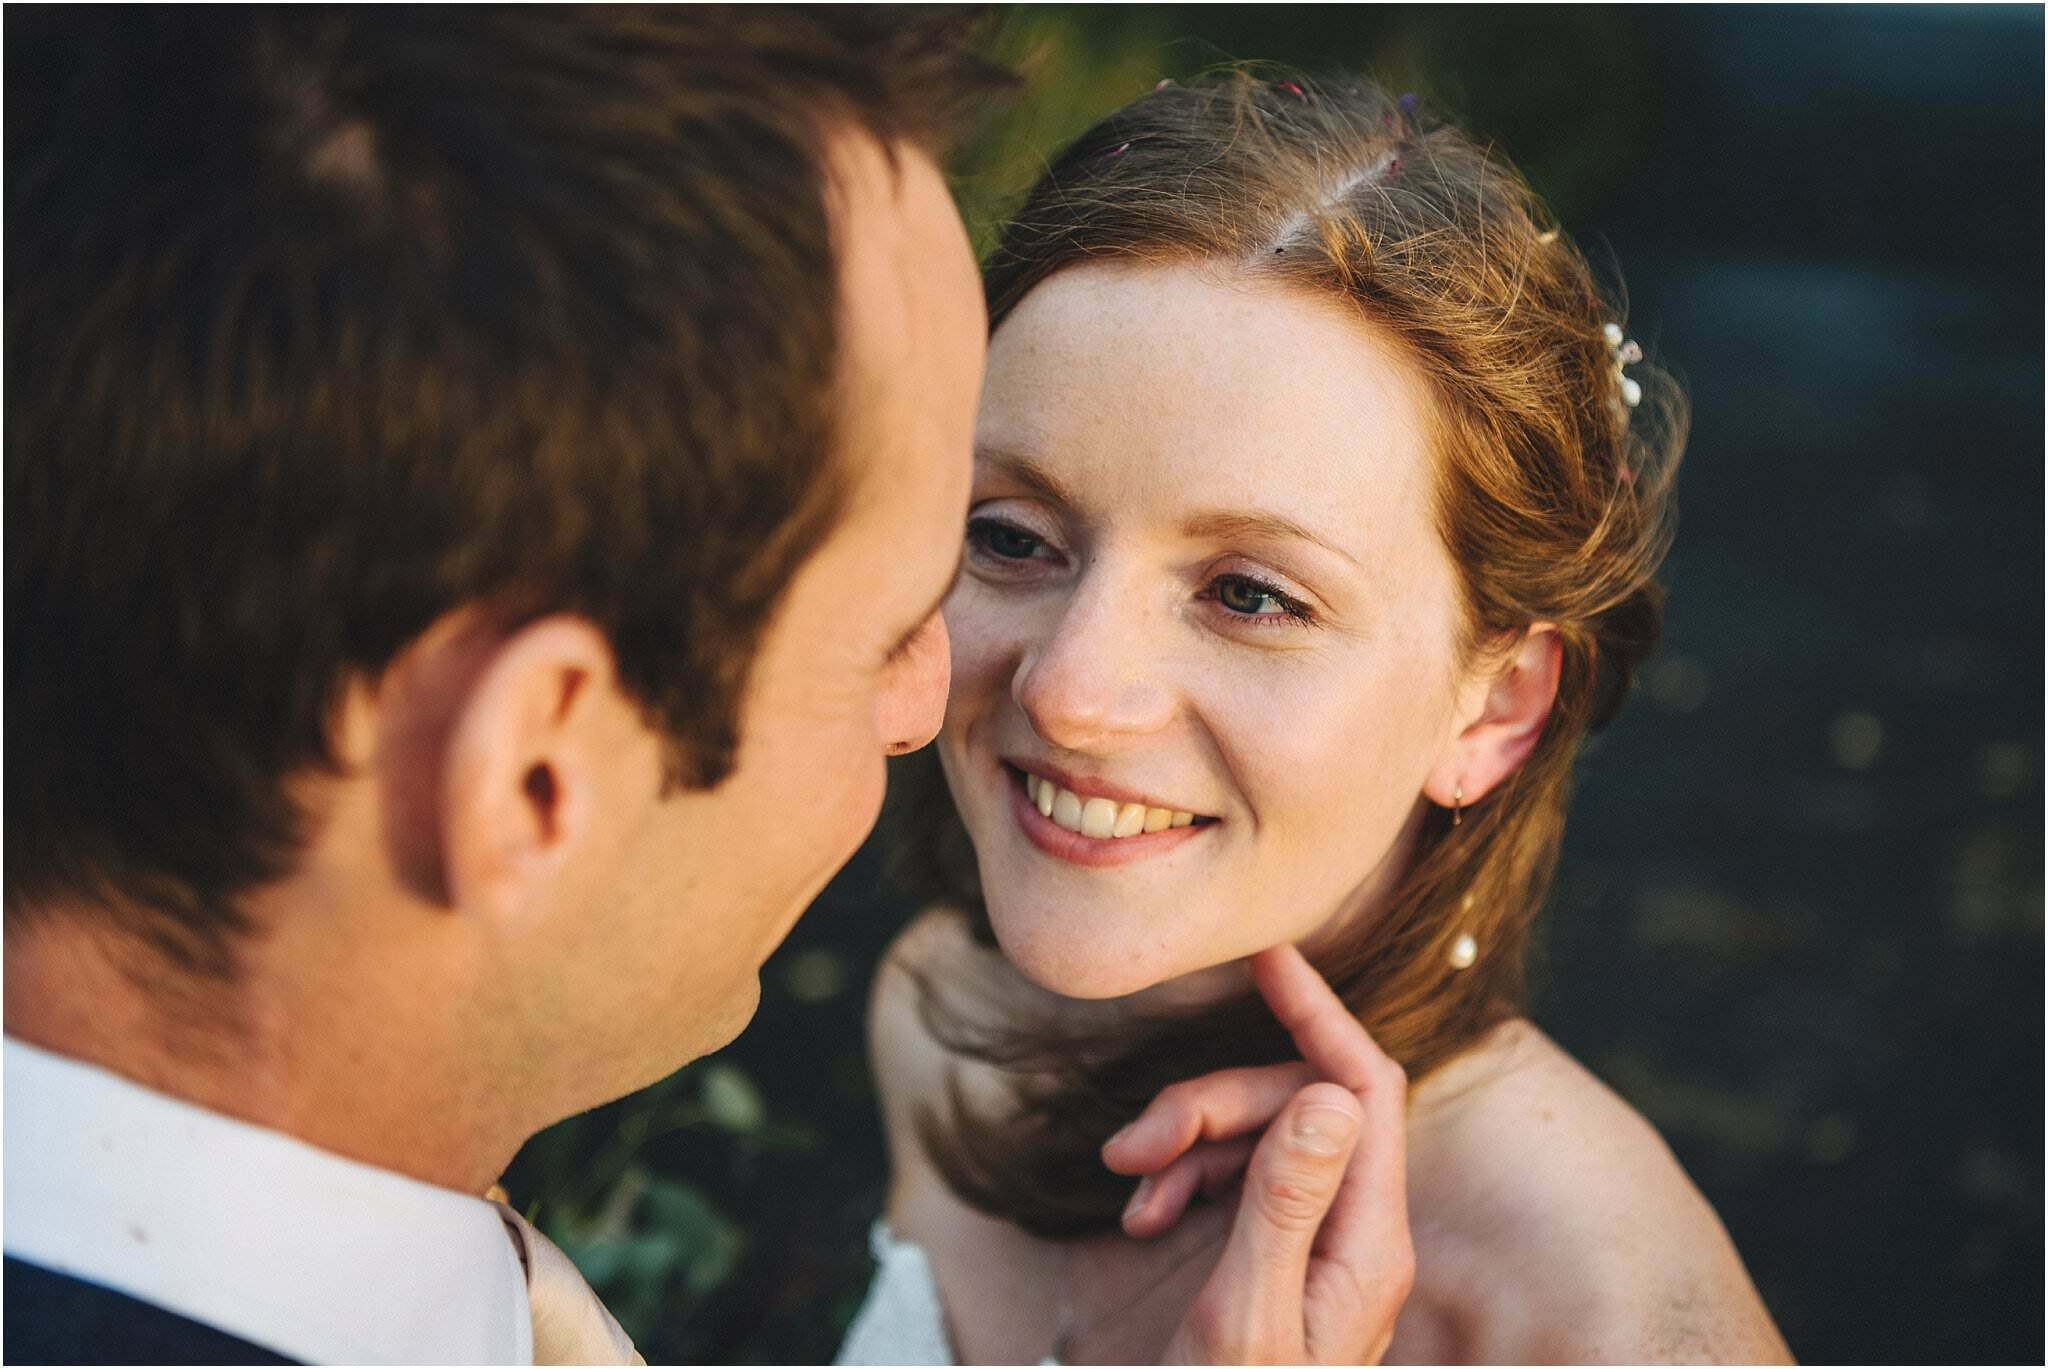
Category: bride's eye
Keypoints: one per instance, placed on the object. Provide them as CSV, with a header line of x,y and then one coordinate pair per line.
x,y
1004,541
1245,597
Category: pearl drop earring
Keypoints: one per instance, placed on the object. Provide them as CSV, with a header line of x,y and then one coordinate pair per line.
x,y
1465,949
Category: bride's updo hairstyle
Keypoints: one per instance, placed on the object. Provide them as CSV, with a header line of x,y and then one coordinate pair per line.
x,y
1553,496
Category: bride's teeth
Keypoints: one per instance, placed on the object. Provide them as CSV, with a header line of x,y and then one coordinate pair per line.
x,y
1102,819
1098,818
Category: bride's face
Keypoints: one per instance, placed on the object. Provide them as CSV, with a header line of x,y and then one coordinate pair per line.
x,y
1203,577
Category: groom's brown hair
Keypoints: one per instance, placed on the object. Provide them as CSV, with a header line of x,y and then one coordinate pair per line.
x,y
324,323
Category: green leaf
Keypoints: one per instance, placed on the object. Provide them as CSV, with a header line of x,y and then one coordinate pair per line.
x,y
710,1243
730,1099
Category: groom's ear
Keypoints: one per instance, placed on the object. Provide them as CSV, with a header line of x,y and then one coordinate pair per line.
x,y
515,762
549,769
1501,715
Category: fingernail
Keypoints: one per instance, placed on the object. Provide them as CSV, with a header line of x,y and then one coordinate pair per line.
x,y
1125,1130
1321,1129
1138,1197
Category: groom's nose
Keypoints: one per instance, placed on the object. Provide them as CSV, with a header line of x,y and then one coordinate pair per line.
x,y
912,702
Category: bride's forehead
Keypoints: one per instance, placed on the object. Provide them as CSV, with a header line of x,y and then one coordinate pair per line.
x,y
1173,365
1356,461
1200,311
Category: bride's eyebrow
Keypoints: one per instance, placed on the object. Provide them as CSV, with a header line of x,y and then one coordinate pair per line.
x,y
1026,472
1225,525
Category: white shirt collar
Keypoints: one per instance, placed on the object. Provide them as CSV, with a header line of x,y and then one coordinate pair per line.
x,y
291,1247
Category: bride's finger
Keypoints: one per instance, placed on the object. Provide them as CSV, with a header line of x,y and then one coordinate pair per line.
x,y
1159,1199
1251,1310
1370,1214
1362,1264
1324,1029
1215,1107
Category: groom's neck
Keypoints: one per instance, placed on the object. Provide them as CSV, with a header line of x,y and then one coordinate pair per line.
x,y
375,1081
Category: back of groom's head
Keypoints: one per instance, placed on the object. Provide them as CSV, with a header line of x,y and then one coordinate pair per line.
x,y
322,324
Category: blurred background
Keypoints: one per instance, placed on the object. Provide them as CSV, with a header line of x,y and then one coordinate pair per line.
x,y
1799,920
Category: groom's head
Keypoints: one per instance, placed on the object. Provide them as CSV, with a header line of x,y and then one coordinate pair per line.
x,y
478,485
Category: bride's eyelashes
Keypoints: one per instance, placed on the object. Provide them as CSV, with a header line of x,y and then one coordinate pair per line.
x,y
994,539
1258,603
1001,549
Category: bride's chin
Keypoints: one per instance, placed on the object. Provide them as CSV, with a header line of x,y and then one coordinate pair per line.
x,y
1073,969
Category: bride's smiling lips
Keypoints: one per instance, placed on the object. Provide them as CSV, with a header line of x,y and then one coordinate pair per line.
x,y
1092,822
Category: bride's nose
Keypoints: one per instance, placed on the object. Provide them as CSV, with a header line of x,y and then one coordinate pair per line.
x,y
1095,680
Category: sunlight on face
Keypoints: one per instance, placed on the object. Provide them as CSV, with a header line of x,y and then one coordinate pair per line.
x,y
1203,578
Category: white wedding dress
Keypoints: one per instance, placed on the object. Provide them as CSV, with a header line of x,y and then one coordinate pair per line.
x,y
902,1321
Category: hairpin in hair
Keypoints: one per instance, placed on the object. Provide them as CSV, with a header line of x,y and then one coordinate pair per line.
x,y
1117,151
1408,102
1164,82
1292,89
1625,352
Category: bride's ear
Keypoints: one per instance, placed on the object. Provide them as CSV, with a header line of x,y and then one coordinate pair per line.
x,y
1500,718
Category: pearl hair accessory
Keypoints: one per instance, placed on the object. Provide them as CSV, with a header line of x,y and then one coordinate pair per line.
x,y
1625,352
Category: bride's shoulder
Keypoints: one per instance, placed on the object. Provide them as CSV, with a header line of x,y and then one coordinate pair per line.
x,y
1518,1129
1535,1187
1519,1082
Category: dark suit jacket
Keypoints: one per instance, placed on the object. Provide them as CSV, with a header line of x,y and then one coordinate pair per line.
x,y
52,1318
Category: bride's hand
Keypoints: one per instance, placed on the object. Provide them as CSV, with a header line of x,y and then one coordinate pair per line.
x,y
1319,1260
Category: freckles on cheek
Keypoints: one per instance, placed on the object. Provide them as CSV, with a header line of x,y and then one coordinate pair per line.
x,y
978,656
1326,758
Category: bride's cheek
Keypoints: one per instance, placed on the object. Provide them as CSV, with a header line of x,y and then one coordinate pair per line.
x,y
992,630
